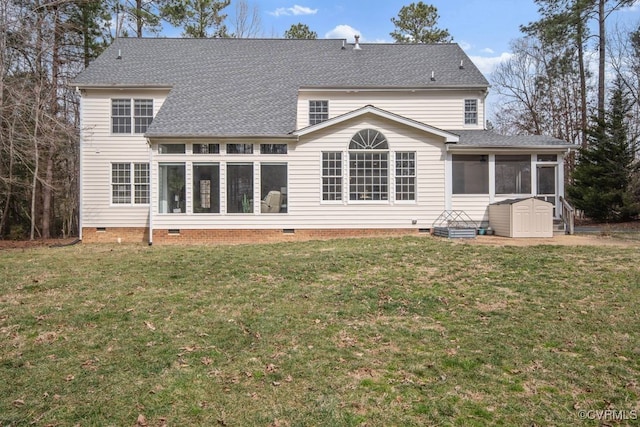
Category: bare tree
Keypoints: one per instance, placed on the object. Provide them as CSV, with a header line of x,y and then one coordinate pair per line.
x,y
624,57
246,23
539,92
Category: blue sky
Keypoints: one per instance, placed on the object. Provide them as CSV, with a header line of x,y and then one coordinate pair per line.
x,y
484,28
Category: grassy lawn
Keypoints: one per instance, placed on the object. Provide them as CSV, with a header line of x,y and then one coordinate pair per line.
x,y
376,332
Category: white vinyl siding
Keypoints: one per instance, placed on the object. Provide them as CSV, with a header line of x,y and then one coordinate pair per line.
x,y
476,206
305,207
438,108
100,149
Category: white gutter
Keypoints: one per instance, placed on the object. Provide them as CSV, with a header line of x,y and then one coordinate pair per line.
x,y
506,148
150,193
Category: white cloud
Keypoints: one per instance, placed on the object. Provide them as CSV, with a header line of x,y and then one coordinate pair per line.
x,y
464,45
487,64
343,32
487,50
295,10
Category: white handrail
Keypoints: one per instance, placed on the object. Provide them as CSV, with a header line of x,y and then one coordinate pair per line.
x,y
568,216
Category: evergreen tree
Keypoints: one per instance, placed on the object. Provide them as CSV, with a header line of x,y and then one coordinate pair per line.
x,y
603,176
416,23
300,31
198,18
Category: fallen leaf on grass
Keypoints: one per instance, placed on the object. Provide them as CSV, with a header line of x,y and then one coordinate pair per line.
x,y
69,378
18,403
206,361
150,326
141,421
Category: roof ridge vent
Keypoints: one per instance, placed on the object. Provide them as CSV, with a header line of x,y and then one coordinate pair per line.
x,y
461,64
357,45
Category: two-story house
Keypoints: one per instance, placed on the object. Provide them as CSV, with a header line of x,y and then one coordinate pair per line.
x,y
251,139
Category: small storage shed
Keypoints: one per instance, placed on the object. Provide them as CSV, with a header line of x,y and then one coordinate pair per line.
x,y
529,217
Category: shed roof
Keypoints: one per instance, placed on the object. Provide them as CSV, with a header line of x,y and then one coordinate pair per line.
x,y
514,201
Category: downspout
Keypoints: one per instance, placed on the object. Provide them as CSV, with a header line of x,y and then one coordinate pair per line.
x,y
80,157
151,193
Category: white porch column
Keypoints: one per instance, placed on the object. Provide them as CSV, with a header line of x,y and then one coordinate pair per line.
x,y
448,181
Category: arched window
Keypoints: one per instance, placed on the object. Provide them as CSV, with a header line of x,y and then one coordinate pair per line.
x,y
368,166
368,139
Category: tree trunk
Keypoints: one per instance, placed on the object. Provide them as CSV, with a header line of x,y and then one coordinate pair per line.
x,y
36,156
584,114
601,57
139,18
47,185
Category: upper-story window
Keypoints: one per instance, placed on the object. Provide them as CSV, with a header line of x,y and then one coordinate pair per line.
x,y
124,119
470,111
318,112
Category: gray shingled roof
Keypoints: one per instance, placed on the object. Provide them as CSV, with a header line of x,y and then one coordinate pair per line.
x,y
226,87
486,138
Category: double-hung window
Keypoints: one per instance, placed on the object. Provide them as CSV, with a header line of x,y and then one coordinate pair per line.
x,y
124,189
124,119
405,175
121,116
142,114
332,176
470,111
318,112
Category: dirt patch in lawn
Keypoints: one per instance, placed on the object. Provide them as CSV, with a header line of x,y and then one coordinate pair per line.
x,y
26,244
592,239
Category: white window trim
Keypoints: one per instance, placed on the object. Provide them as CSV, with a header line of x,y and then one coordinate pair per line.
x,y
391,190
189,188
132,112
415,178
132,185
464,113
309,111
342,190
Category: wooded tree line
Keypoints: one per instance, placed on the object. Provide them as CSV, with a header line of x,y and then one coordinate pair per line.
x,y
548,86
555,84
